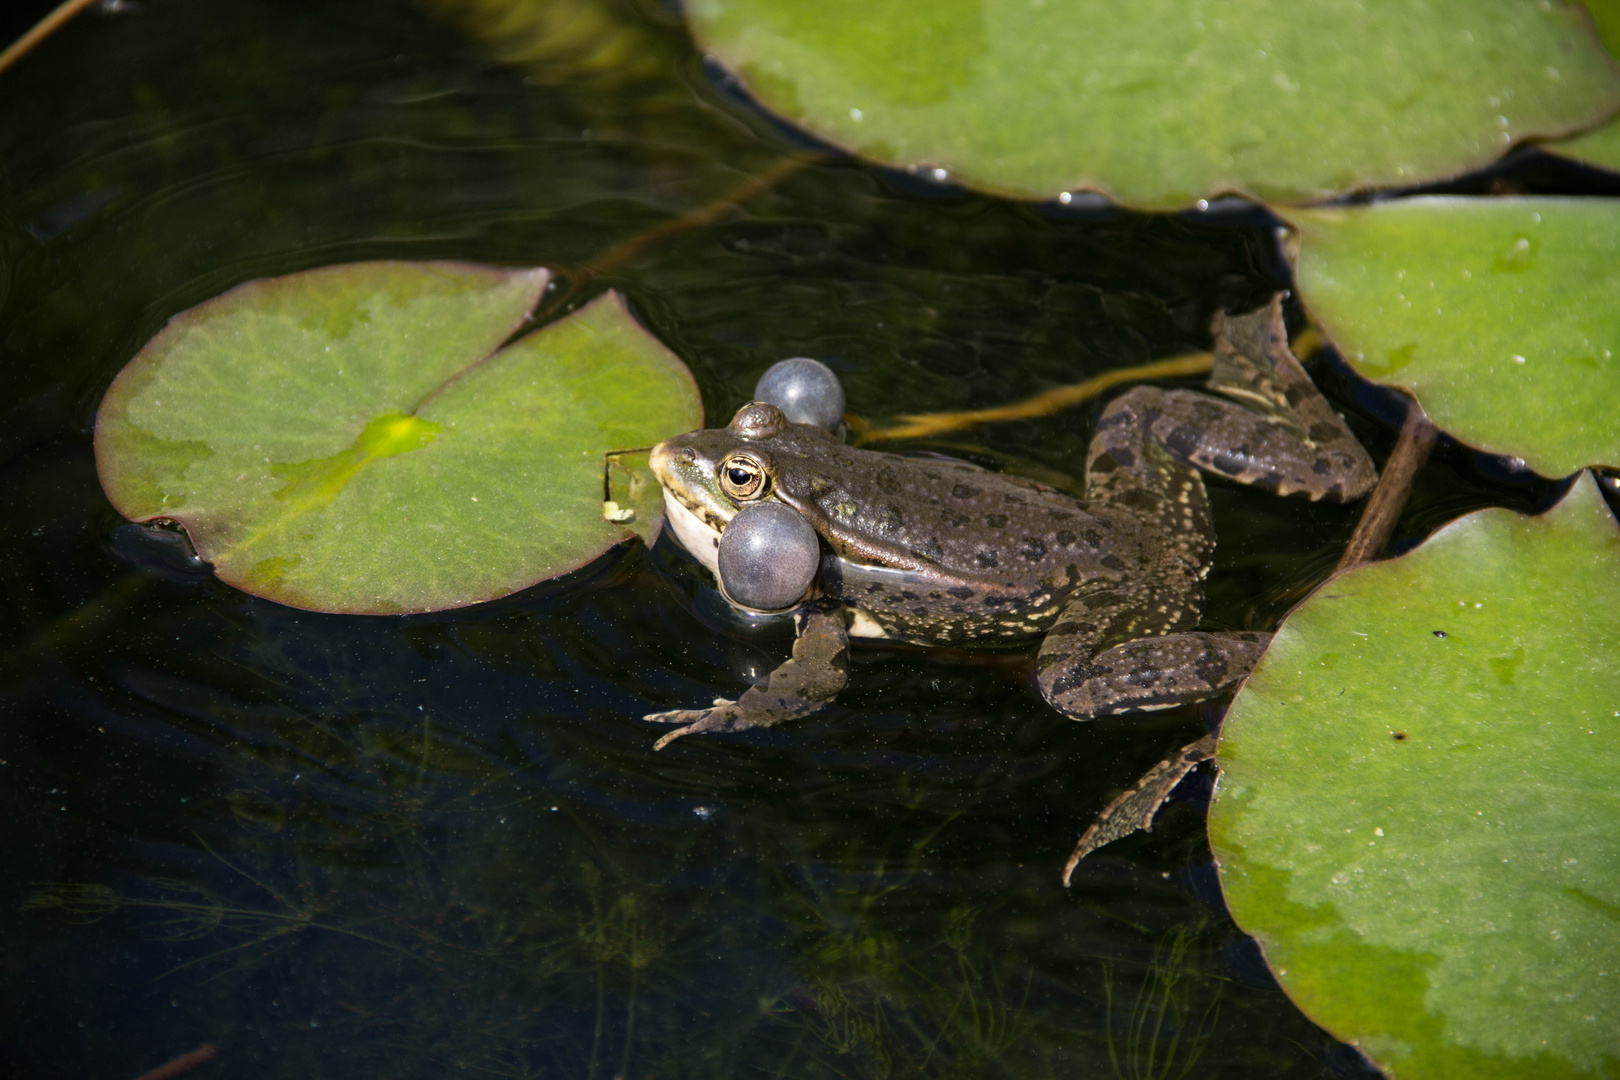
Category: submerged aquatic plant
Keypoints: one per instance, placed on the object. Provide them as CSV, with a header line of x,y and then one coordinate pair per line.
x,y
624,934
954,1008
190,913
1165,1028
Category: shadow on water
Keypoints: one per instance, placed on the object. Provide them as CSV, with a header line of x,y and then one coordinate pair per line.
x,y
337,846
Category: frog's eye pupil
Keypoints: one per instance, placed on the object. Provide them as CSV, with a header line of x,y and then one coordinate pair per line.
x,y
739,476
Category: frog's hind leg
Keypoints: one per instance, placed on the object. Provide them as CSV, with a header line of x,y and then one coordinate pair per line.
x,y
1119,649
1288,438
1131,644
1277,432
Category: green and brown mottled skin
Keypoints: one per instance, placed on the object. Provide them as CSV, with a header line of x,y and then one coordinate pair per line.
x,y
942,552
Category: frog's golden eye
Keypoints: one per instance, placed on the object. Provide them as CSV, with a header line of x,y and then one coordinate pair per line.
x,y
742,478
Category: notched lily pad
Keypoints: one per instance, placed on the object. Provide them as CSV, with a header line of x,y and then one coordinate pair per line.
x,y
1416,810
1499,314
1159,102
631,495
353,438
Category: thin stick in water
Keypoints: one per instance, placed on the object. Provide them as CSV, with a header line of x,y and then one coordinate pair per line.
x,y
42,30
1388,499
924,425
182,1064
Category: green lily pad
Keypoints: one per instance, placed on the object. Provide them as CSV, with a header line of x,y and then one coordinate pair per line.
x,y
633,497
1499,314
1600,147
1417,803
1160,102
350,439
1606,17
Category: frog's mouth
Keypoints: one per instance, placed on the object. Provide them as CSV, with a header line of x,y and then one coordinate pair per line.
x,y
693,533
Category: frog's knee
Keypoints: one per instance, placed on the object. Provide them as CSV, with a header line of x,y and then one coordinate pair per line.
x,y
1083,690
1151,673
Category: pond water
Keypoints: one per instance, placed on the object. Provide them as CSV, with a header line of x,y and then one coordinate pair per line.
x,y
351,847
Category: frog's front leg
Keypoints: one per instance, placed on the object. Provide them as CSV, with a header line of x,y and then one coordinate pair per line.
x,y
813,676
1122,648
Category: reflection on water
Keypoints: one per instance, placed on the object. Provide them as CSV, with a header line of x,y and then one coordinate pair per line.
x,y
337,846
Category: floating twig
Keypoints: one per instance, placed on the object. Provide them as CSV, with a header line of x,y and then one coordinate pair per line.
x,y
42,30
625,251
1388,499
924,425
184,1063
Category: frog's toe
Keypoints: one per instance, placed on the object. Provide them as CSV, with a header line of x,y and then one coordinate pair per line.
x,y
1135,809
724,716
674,716
686,716
672,736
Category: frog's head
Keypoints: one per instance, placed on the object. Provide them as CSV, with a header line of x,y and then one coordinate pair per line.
x,y
709,475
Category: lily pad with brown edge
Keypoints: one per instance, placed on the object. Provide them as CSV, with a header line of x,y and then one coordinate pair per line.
x,y
356,439
1416,809
1162,102
1600,147
1500,315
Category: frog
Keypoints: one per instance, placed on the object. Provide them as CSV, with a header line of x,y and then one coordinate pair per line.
x,y
943,552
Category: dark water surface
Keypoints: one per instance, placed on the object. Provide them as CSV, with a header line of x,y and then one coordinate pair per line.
x,y
442,845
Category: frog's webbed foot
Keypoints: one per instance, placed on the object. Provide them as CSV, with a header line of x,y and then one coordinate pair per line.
x,y
1169,667
1134,810
1292,440
723,716
812,678
1252,356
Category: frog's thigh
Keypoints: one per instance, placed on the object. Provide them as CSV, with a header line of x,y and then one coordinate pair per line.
x,y
1148,673
1099,618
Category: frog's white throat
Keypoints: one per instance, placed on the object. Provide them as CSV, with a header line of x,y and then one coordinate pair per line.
x,y
702,541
